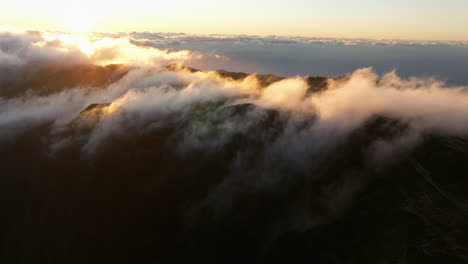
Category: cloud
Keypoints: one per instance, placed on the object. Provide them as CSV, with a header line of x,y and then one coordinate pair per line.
x,y
149,95
23,47
155,39
289,129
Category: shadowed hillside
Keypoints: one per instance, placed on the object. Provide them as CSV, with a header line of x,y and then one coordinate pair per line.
x,y
222,181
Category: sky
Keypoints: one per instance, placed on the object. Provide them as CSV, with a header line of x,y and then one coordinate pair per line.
x,y
395,19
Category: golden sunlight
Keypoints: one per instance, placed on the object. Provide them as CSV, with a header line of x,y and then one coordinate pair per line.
x,y
79,22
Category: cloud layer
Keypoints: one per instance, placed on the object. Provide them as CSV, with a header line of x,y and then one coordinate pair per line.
x,y
20,47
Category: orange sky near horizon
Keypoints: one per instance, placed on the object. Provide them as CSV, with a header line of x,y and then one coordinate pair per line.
x,y
397,19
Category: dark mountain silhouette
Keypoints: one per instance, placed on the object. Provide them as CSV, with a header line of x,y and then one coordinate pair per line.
x,y
140,201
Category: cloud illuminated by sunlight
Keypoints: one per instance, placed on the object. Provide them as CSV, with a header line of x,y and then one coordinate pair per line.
x,y
53,46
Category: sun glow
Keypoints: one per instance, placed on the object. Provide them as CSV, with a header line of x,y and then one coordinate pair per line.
x,y
79,22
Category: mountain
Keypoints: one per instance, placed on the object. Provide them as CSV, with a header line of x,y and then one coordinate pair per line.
x,y
222,182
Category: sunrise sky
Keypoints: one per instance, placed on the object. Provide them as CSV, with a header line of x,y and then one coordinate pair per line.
x,y
396,19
